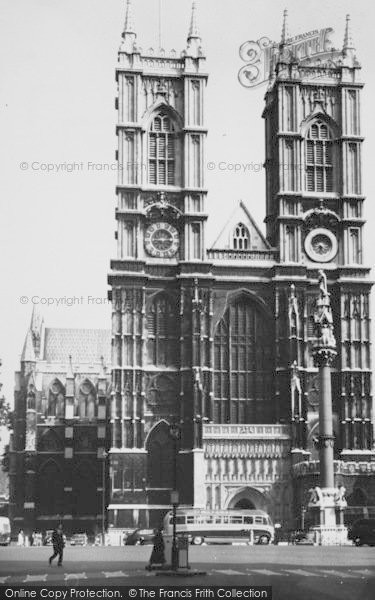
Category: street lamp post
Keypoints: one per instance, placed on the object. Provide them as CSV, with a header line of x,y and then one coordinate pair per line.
x,y
175,434
104,456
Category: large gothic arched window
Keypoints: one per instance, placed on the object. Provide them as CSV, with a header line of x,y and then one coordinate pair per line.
x,y
319,158
87,400
56,400
162,332
162,151
243,374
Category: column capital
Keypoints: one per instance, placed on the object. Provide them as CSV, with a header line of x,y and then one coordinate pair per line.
x,y
323,355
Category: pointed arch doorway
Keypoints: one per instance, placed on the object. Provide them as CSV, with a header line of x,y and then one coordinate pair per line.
x,y
160,457
244,504
247,498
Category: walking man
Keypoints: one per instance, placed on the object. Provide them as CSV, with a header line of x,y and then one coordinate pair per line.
x,y
58,545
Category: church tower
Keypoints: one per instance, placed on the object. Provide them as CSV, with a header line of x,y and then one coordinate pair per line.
x,y
161,219
315,218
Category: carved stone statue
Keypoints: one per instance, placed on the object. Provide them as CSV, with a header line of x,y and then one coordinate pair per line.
x,y
340,495
293,312
323,319
323,284
316,496
296,390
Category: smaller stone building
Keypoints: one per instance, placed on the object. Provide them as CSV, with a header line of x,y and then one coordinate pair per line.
x,y
57,460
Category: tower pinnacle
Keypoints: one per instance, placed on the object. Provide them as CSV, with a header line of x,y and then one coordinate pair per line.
x,y
348,39
193,38
129,22
285,28
193,29
28,352
128,33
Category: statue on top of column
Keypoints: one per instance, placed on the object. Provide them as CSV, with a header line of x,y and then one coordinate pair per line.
x,y
323,319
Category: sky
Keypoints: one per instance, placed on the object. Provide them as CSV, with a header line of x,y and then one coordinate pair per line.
x,y
57,91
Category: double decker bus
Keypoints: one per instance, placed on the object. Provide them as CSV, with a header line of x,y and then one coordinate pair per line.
x,y
221,526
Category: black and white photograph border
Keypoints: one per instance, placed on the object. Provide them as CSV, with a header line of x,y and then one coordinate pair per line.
x,y
186,402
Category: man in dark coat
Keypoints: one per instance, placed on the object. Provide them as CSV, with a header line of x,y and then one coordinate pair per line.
x,y
58,545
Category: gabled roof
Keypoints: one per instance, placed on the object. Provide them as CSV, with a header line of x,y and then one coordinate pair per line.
x,y
241,214
83,345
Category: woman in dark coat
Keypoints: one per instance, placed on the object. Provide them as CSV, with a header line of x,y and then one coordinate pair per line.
x,y
157,556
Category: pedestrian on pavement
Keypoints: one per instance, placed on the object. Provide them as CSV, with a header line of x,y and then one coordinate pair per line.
x,y
157,556
21,538
58,545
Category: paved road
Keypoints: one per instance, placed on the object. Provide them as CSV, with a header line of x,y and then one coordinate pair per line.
x,y
294,572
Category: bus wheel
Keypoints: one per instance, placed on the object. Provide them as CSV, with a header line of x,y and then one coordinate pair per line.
x,y
264,539
197,540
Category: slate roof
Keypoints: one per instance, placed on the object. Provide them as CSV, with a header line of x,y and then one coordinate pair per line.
x,y
84,345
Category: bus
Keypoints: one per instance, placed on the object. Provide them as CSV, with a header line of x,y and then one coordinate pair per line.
x,y
4,531
221,526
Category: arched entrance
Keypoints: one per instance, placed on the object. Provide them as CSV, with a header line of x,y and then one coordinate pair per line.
x,y
247,498
244,504
160,457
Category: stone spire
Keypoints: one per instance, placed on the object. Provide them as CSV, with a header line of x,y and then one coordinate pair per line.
x,y
193,39
285,29
193,30
70,372
28,352
128,34
129,21
36,328
36,320
348,39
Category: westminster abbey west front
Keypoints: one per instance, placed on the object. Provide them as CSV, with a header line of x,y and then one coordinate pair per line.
x,y
211,352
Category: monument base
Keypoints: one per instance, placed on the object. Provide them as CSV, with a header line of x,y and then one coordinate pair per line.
x,y
324,535
327,506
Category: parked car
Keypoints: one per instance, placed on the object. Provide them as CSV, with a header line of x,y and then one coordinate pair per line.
x,y
362,532
4,531
78,539
140,536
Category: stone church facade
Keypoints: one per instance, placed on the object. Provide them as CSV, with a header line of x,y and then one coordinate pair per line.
x,y
217,341
213,389
57,449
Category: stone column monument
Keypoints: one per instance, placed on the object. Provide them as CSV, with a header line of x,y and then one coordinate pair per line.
x,y
326,501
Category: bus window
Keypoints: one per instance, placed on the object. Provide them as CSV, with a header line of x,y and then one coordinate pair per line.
x,y
258,519
190,519
236,519
248,520
180,520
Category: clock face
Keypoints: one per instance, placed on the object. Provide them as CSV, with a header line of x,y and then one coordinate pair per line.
x,y
162,240
321,245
